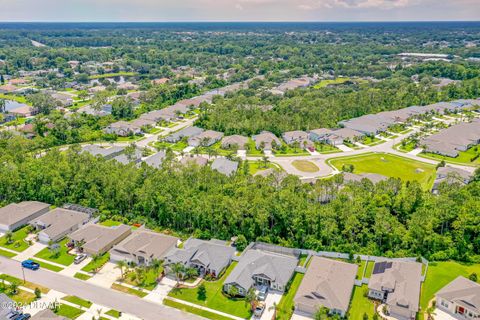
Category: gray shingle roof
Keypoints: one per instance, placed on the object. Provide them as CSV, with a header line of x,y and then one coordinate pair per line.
x,y
59,220
462,291
156,159
97,237
225,166
16,212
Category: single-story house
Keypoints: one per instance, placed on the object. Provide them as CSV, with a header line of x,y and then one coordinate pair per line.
x,y
8,88
135,157
319,135
460,298
208,257
225,166
451,175
64,99
235,141
143,246
24,111
16,215
159,81
397,284
300,137
197,160
122,129
156,159
184,133
370,124
266,140
104,152
257,268
58,223
327,283
205,139
97,239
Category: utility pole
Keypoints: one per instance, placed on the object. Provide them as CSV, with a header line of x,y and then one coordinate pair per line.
x,y
23,272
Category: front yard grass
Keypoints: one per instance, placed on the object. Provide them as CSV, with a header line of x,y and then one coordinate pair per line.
x,y
202,313
149,281
81,276
305,166
7,254
18,242
326,148
178,146
113,313
252,150
391,166
78,301
290,151
360,304
25,284
370,140
215,298
23,297
62,257
256,166
65,310
285,307
93,265
48,266
129,290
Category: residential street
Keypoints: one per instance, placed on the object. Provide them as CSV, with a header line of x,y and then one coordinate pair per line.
x,y
107,297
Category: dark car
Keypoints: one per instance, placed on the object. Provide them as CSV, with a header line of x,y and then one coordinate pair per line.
x,y
24,316
30,264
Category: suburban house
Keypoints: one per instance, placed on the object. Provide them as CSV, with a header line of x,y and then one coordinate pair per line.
x,y
397,284
143,246
196,160
58,223
205,139
235,141
24,111
104,152
344,134
208,257
96,239
156,159
327,283
460,298
225,166
65,100
300,137
450,175
8,88
319,135
184,133
369,124
143,123
353,177
134,157
266,140
258,268
16,215
123,129
292,84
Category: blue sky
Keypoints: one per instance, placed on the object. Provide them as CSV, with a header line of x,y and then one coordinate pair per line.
x,y
238,10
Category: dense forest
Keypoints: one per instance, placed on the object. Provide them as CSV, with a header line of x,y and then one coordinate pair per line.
x,y
390,218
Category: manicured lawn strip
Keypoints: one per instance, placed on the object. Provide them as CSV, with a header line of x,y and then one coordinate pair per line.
x,y
130,138
81,276
215,298
303,259
63,258
7,254
369,270
128,290
290,151
27,284
113,313
113,75
389,165
197,311
409,146
305,166
360,304
285,307
361,268
48,266
439,274
110,223
78,301
179,146
96,265
18,244
69,312
369,140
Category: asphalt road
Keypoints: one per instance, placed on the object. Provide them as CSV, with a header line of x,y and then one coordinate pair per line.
x,y
106,297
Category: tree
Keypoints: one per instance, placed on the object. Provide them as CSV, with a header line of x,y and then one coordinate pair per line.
x,y
191,273
54,249
265,161
473,277
42,102
202,292
251,298
9,237
95,259
121,265
38,293
321,314
13,288
2,105
177,269
241,242
232,291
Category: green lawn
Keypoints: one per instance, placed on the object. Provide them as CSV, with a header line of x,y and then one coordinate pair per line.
x,y
285,307
129,290
149,282
215,298
130,138
78,301
22,296
252,150
290,151
217,149
197,311
64,258
96,265
409,146
369,270
19,99
326,82
113,75
391,166
81,276
360,304
25,284
439,274
18,243
370,141
464,157
48,266
7,254
325,148
305,166
179,146
256,166
361,268
69,312
110,223
303,259
113,313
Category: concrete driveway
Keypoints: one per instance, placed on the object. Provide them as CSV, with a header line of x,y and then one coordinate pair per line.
x,y
106,276
272,297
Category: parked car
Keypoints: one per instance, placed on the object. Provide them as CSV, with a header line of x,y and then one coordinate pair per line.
x,y
24,316
12,315
30,264
262,293
257,313
79,258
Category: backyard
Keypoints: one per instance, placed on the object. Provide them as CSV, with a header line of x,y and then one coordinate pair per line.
x,y
391,166
215,299
360,304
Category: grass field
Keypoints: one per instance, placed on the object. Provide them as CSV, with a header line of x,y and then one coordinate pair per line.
x,y
69,312
252,150
18,243
78,301
112,75
440,274
19,99
360,304
369,270
285,307
324,83
305,166
215,298
22,296
464,157
203,313
63,257
391,166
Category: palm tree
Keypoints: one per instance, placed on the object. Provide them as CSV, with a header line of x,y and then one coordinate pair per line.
x,y
265,161
13,288
177,269
251,298
191,273
9,236
430,312
120,265
79,245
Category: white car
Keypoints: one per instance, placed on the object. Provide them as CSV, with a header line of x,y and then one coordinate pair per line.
x,y
257,313
79,258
